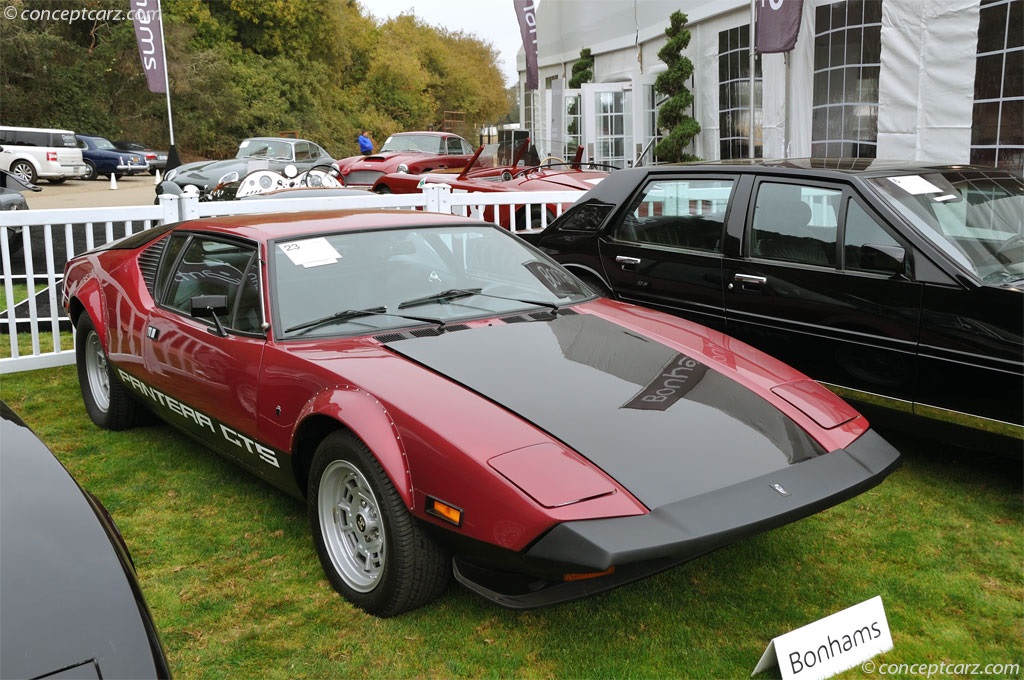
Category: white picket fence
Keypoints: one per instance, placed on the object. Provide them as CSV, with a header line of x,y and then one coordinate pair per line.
x,y
69,231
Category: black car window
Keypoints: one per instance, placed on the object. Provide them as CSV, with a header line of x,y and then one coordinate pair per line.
x,y
454,146
795,223
213,267
861,229
679,213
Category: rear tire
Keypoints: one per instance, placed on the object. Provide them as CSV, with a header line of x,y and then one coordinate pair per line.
x,y
107,401
24,170
370,547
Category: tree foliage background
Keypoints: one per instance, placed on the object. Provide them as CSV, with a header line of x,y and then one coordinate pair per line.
x,y
239,68
674,114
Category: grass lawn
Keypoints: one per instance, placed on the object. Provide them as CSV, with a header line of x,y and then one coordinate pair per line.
x,y
229,570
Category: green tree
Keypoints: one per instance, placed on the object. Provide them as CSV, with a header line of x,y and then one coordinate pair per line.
x,y
674,114
239,68
583,69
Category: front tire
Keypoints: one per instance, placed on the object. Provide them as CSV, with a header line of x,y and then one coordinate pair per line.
x,y
370,547
107,401
90,171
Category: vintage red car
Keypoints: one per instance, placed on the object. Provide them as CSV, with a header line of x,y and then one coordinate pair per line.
x,y
406,152
448,400
497,167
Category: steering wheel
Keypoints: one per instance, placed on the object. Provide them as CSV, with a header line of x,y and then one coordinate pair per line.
x,y
325,169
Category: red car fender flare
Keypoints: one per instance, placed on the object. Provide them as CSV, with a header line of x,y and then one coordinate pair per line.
x,y
89,297
367,418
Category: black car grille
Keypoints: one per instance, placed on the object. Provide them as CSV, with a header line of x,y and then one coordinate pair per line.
x,y
149,260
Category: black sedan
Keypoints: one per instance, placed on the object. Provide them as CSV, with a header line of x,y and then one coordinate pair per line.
x,y
899,286
157,159
72,607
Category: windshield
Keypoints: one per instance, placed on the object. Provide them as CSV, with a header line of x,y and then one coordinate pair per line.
x,y
424,143
976,219
365,282
264,148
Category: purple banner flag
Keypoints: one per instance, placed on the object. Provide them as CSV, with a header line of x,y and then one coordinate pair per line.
x,y
526,11
149,35
778,24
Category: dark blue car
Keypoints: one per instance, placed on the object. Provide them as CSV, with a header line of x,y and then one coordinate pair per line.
x,y
103,158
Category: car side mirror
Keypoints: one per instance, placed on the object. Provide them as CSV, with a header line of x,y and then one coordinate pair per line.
x,y
886,258
210,307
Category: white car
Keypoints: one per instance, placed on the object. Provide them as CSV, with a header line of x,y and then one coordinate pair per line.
x,y
41,153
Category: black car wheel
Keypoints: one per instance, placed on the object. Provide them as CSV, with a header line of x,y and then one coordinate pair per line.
x,y
90,171
24,170
369,545
107,401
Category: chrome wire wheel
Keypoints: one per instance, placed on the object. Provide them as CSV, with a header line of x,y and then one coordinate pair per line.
x,y
352,526
97,371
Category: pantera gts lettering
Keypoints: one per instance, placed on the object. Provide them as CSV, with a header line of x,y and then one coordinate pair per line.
x,y
203,421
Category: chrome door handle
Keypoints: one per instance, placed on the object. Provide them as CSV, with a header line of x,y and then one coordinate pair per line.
x,y
624,259
750,278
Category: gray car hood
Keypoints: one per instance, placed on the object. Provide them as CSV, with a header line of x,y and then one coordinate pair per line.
x,y
663,424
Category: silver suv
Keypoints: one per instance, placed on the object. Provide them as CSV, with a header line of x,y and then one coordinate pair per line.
x,y
40,153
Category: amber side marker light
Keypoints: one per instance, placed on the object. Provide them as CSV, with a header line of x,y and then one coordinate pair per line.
x,y
448,513
584,576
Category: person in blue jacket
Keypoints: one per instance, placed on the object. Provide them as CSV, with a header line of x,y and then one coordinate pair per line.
x,y
365,143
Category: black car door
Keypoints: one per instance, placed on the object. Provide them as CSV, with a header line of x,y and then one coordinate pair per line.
x,y
665,250
823,284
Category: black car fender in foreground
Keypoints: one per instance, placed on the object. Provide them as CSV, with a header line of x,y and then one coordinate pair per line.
x,y
71,604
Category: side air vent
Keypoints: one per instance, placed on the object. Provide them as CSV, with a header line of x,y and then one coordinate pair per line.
x,y
149,260
425,332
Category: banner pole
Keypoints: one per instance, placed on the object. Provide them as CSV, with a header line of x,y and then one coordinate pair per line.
x,y
172,153
750,124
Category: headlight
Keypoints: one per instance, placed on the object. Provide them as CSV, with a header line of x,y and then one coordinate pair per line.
x,y
229,177
402,167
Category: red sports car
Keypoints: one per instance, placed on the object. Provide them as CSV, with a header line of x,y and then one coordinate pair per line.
x,y
448,400
406,152
495,167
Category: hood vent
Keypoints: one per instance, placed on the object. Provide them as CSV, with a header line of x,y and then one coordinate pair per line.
x,y
149,261
545,315
419,333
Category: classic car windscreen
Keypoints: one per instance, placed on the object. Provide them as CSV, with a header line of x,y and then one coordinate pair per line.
x,y
424,143
976,220
363,282
264,148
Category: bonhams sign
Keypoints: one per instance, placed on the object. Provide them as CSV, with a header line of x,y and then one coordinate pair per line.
x,y
777,25
149,35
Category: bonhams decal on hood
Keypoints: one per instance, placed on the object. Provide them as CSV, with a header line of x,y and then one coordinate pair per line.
x,y
680,375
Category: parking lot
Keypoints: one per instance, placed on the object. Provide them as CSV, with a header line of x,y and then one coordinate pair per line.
x,y
74,193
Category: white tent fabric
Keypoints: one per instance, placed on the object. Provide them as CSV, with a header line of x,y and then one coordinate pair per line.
x,y
926,86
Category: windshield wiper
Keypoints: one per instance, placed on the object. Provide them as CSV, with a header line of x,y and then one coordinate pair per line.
x,y
456,293
443,296
349,314
337,317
